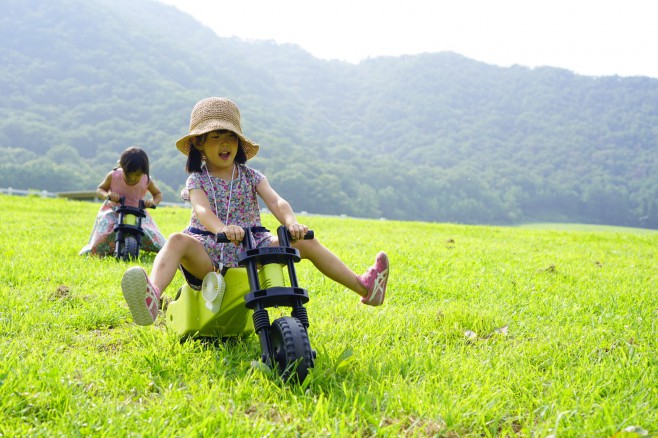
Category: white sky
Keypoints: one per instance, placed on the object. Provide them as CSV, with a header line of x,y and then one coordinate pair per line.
x,y
589,37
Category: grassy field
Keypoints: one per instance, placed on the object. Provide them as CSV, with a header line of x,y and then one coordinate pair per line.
x,y
486,331
588,227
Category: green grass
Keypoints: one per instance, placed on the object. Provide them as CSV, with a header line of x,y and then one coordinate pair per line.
x,y
486,331
587,227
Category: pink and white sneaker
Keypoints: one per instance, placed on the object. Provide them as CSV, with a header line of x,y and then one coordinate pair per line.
x,y
142,297
374,280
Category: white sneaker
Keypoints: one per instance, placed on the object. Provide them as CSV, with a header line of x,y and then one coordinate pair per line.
x,y
141,296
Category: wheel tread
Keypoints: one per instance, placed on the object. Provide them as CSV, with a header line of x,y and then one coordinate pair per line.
x,y
298,357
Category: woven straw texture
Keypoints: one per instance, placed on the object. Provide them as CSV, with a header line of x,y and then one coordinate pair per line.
x,y
212,114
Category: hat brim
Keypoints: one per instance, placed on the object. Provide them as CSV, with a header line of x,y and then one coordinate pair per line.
x,y
250,148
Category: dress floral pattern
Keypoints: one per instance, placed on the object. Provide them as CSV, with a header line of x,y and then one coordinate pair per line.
x,y
103,238
243,211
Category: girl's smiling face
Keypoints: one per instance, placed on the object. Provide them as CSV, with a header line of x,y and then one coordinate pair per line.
x,y
220,149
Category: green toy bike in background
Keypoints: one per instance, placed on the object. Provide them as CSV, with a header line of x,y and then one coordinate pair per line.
x,y
129,231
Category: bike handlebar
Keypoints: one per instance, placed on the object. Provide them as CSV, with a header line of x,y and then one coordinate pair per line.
x,y
122,201
221,237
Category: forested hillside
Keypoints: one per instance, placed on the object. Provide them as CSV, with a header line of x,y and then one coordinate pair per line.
x,y
434,137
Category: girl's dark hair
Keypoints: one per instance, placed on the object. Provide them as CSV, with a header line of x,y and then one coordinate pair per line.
x,y
133,160
195,160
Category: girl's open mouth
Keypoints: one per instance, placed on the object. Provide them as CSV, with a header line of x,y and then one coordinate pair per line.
x,y
224,155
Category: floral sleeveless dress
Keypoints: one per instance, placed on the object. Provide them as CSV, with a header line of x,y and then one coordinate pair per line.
x,y
103,237
243,210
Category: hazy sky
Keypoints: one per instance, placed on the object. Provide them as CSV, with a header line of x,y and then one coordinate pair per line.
x,y
589,37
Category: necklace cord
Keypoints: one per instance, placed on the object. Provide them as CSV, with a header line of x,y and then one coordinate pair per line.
x,y
228,207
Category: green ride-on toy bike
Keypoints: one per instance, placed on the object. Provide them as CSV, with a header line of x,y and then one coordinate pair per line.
x,y
236,305
129,231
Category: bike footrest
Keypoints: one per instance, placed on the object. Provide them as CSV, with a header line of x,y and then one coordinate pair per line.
x,y
271,254
130,229
277,296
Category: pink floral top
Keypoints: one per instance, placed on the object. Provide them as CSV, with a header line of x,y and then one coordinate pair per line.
x,y
243,210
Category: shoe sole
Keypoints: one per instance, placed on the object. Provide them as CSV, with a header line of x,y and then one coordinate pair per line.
x,y
133,286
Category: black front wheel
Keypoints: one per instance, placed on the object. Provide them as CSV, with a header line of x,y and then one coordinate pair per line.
x,y
129,249
292,349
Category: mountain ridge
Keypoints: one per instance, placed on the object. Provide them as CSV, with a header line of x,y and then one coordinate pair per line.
x,y
474,143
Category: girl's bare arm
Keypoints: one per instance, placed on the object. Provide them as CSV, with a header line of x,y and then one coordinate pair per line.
x,y
281,210
155,193
103,189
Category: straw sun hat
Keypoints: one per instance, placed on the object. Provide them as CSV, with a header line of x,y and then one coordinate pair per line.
x,y
212,114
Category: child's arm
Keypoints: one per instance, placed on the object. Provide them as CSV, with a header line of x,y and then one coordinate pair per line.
x,y
156,195
281,210
201,207
103,189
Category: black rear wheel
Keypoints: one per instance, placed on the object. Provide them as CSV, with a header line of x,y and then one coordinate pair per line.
x,y
292,349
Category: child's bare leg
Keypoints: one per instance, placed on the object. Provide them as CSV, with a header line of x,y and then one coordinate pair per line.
x,y
143,294
329,264
179,249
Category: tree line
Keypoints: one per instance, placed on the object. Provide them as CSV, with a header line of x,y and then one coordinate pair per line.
x,y
433,137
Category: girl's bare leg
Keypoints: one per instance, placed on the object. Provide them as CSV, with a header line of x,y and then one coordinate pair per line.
x,y
179,249
327,263
143,294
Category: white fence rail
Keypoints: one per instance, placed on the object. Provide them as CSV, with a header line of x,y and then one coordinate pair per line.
x,y
87,196
17,192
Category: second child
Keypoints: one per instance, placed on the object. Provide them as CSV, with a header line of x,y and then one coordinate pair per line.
x,y
131,180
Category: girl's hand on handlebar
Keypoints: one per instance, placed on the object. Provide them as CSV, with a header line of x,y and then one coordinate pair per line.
x,y
297,231
233,233
148,203
114,197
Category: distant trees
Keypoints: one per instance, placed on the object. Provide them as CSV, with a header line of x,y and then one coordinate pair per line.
x,y
432,137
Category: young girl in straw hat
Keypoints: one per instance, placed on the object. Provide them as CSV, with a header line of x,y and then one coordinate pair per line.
x,y
131,180
223,192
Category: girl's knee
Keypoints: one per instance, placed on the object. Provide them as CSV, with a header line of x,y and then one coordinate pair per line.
x,y
304,244
307,248
180,240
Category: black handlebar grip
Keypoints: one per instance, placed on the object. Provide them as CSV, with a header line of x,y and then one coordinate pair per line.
x,y
308,236
221,237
